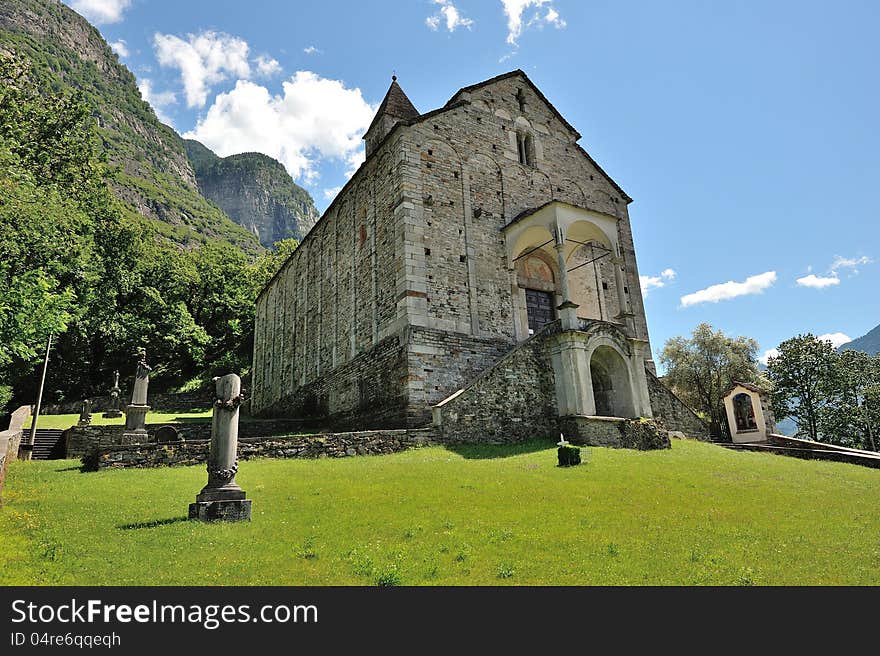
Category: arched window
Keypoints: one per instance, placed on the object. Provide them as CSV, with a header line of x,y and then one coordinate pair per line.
x,y
744,413
525,148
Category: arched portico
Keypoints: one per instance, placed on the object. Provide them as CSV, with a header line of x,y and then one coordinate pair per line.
x,y
575,239
612,387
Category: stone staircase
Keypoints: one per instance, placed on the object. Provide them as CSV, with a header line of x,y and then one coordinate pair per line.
x,y
48,444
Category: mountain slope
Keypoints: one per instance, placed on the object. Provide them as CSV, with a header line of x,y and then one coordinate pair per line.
x,y
151,172
869,343
256,192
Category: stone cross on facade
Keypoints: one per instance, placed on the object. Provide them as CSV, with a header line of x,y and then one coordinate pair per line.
x,y
222,498
136,411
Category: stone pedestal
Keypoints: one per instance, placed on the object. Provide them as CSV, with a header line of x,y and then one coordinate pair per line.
x,y
135,424
222,499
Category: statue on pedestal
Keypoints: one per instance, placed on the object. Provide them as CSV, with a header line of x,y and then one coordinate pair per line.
x,y
136,411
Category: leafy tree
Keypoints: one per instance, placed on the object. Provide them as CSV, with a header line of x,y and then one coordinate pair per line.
x,y
803,381
702,368
852,415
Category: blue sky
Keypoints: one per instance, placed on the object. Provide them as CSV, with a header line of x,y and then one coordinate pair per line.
x,y
746,132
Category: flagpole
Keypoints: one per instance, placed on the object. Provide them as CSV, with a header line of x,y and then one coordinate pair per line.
x,y
33,436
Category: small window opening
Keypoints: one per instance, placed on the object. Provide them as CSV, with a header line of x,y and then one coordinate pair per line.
x,y
525,149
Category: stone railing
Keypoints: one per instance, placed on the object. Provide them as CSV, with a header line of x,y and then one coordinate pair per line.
x,y
328,445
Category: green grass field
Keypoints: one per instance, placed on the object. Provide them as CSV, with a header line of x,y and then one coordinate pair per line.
x,y
696,514
66,421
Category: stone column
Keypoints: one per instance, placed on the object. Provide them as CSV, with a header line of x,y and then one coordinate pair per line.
x,y
222,498
567,309
136,411
639,379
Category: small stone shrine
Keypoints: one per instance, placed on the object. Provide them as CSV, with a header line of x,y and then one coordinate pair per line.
x,y
749,415
222,498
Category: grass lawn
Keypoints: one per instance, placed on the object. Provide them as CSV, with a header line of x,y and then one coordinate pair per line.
x,y
66,421
696,514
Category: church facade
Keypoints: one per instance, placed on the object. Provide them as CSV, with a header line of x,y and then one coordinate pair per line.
x,y
478,269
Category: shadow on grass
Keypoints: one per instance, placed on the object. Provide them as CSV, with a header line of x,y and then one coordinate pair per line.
x,y
191,420
492,451
153,523
76,468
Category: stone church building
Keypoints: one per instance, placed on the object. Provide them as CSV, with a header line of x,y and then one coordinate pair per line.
x,y
476,273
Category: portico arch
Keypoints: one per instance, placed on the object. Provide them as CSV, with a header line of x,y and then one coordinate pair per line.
x,y
612,386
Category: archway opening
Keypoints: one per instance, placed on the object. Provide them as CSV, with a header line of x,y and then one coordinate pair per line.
x,y
744,413
612,391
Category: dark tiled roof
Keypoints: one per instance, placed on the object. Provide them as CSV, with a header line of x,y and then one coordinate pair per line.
x,y
396,105
748,386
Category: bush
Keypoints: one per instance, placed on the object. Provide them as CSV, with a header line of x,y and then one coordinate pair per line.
x,y
569,456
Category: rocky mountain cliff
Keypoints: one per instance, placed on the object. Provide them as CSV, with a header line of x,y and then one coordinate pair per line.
x,y
869,343
256,191
151,172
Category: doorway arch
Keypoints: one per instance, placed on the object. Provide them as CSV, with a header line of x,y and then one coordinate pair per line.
x,y
612,388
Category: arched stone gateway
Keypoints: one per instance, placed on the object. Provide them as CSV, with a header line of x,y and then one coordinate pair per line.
x,y
612,388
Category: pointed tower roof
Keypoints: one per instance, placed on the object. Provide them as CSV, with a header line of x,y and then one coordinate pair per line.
x,y
395,106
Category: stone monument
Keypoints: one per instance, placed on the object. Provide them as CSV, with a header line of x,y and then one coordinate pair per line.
x,y
222,498
113,410
136,412
85,414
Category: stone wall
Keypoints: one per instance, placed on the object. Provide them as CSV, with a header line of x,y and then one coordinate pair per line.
x,y
640,434
158,402
328,445
365,393
81,440
512,401
9,443
336,298
673,413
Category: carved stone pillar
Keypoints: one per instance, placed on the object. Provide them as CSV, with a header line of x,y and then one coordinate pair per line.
x,y
222,498
568,308
571,373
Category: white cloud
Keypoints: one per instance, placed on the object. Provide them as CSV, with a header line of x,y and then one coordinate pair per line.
x,y
730,289
648,283
120,47
770,353
449,14
331,192
157,100
312,50
101,11
836,339
818,282
203,59
314,118
852,263
267,66
514,10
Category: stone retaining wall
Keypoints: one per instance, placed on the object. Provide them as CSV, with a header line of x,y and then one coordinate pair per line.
x,y
328,445
82,440
640,434
673,413
513,401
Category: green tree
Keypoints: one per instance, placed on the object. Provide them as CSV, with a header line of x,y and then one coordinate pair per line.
x,y
700,369
803,381
851,416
